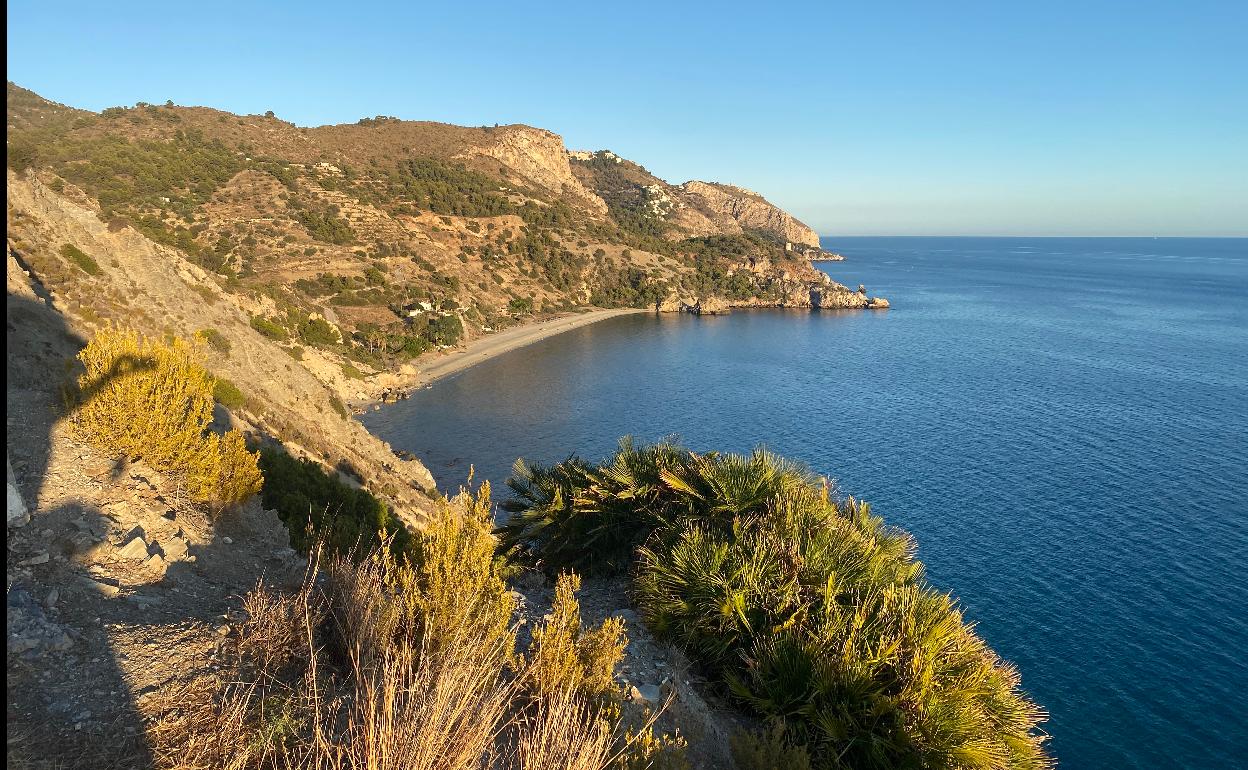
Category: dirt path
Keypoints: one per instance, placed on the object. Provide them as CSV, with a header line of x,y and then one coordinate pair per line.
x,y
511,339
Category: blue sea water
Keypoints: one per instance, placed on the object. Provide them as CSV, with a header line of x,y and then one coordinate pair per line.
x,y
1061,422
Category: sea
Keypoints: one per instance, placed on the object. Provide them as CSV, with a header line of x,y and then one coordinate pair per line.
x,y
1062,423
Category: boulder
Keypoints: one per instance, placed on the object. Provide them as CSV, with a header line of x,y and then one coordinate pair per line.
x,y
645,694
135,549
174,549
18,516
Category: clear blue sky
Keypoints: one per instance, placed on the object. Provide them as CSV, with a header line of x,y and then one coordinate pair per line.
x,y
1082,118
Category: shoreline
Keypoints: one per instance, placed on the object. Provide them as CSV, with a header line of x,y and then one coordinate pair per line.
x,y
496,344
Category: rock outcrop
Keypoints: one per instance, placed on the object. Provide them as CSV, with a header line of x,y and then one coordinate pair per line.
x,y
17,513
538,156
708,305
732,206
838,297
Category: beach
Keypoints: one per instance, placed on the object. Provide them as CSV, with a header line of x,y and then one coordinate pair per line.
x,y
496,344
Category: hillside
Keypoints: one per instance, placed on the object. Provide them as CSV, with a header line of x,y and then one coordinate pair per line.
x,y
335,609
409,235
325,267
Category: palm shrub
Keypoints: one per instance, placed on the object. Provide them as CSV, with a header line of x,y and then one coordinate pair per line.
x,y
807,608
153,400
575,515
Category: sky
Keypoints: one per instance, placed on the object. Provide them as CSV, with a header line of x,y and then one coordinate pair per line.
x,y
884,118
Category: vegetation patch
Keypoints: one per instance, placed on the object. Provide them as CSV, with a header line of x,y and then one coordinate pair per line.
x,y
316,506
81,259
218,341
269,328
807,609
227,394
408,660
152,400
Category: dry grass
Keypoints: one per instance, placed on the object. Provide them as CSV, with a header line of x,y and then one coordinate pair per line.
x,y
344,675
563,733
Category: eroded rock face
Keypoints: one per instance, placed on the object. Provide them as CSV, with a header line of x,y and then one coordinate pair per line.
x,y
837,297
539,157
729,205
709,305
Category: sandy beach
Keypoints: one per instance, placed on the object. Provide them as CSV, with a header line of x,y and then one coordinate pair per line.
x,y
510,339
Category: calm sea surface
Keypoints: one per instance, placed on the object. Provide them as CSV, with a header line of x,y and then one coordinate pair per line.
x,y
1062,424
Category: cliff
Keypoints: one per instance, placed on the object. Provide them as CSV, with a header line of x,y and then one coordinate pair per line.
x,y
537,157
692,209
731,206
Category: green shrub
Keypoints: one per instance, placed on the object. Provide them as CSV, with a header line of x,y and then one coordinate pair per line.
x,y
313,504
767,750
336,404
351,372
324,225
444,330
318,331
268,328
295,352
808,609
227,394
80,259
216,339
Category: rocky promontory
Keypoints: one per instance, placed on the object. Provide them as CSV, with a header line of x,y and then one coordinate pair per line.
x,y
749,210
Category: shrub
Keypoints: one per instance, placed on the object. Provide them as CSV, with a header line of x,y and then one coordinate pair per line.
x,y
153,401
644,750
459,586
317,506
79,258
318,331
351,372
807,608
216,339
295,352
565,656
575,515
268,328
227,394
767,750
444,330
336,404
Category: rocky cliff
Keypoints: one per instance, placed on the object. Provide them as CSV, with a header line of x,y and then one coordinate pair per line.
x,y
731,206
538,157
692,209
